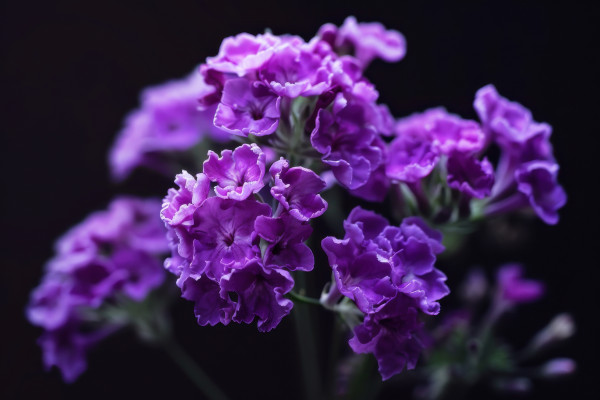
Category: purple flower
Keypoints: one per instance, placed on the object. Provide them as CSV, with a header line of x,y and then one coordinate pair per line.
x,y
51,306
451,134
223,235
286,236
470,176
168,120
243,53
297,71
526,172
113,250
238,174
446,133
366,40
375,261
558,367
247,108
111,253
514,289
502,119
345,136
376,188
209,307
66,349
392,334
365,278
92,277
260,293
296,189
411,158
179,205
537,181
141,271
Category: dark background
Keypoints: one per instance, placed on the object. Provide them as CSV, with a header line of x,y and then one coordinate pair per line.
x,y
72,70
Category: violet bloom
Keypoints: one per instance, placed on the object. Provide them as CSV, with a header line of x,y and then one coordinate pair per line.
x,y
260,293
223,235
243,53
247,108
50,305
179,205
470,176
504,120
451,133
447,133
286,236
111,253
375,261
112,250
537,181
168,120
296,189
527,172
238,174
392,334
209,307
364,278
366,40
514,289
411,158
297,71
345,136
376,188
66,348
232,254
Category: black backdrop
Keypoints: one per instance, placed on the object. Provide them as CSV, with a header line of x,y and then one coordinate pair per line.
x,y
72,70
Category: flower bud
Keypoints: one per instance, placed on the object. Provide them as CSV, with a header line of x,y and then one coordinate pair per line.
x,y
474,286
560,328
558,367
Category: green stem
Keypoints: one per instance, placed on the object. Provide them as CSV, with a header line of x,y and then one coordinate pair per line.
x,y
304,299
334,354
307,345
192,370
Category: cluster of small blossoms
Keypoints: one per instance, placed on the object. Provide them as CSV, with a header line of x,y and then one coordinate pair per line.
x,y
305,100
435,147
526,175
302,108
388,272
112,253
167,121
232,252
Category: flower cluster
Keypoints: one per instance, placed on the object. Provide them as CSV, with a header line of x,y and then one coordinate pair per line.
x,y
168,120
232,252
112,253
435,146
305,99
526,174
303,113
388,271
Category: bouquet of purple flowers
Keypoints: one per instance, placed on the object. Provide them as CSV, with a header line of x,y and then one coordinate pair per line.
x,y
297,128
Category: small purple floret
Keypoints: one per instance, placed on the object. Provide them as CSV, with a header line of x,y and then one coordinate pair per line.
x,y
514,289
296,189
260,293
238,174
470,176
537,181
247,108
392,334
366,40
